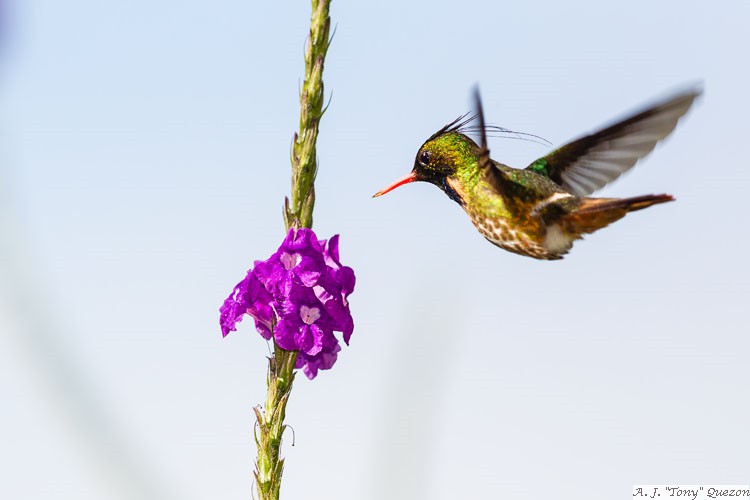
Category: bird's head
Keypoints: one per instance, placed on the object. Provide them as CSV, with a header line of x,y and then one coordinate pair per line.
x,y
443,156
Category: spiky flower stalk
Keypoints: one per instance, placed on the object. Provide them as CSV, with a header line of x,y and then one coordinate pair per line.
x,y
304,160
298,213
269,466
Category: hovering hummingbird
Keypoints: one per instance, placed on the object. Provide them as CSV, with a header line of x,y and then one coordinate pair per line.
x,y
541,210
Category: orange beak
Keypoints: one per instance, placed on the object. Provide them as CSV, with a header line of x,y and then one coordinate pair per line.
x,y
410,177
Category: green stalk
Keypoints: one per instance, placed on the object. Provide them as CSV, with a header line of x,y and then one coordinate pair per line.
x,y
269,466
304,163
270,420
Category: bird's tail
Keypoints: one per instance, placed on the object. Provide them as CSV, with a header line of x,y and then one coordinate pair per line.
x,y
595,213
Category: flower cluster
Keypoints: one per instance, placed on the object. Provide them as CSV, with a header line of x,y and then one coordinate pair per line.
x,y
299,297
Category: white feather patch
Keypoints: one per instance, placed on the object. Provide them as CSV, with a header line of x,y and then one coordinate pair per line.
x,y
556,241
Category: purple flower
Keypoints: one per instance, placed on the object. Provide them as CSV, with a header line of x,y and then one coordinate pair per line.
x,y
248,297
304,322
324,360
299,296
298,261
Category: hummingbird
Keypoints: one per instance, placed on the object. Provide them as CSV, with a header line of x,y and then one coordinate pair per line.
x,y
541,210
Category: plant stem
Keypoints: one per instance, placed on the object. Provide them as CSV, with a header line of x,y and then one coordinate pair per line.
x,y
270,420
304,161
269,466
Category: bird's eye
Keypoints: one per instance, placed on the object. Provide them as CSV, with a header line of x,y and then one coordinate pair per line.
x,y
424,158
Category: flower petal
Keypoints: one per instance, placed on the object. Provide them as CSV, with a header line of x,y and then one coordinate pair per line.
x,y
331,252
321,361
248,297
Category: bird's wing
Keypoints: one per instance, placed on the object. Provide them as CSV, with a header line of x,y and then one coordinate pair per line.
x,y
494,176
589,163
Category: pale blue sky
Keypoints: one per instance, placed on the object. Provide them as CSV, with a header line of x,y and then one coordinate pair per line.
x,y
143,163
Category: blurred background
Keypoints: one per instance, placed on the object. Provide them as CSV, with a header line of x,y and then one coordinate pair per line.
x,y
143,163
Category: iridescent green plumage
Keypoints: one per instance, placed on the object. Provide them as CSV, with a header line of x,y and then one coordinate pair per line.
x,y
541,210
